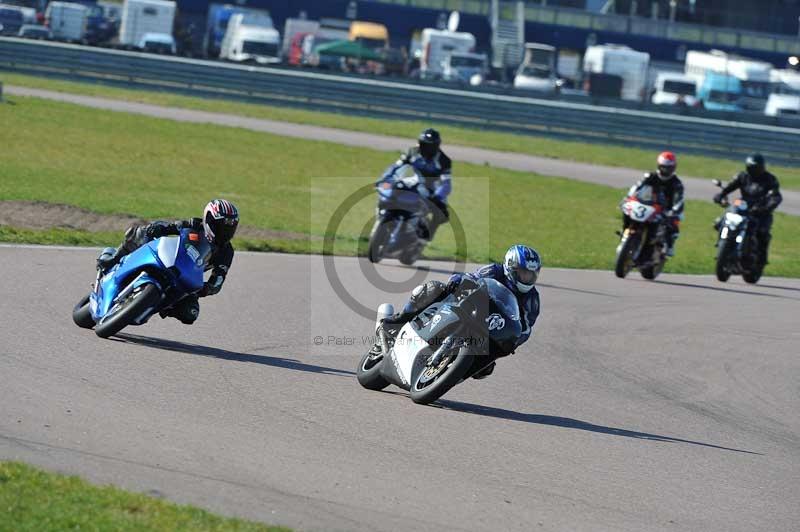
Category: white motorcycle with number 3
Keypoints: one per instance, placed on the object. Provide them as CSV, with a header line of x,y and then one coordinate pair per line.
x,y
643,243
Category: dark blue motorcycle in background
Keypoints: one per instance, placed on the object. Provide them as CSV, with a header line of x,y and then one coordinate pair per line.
x,y
401,226
149,280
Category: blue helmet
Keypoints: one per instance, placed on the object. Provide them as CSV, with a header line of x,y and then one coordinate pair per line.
x,y
521,266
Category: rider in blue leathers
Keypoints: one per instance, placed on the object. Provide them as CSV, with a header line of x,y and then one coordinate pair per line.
x,y
518,273
435,167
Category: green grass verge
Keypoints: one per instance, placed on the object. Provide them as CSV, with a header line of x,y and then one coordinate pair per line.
x,y
600,154
35,500
159,169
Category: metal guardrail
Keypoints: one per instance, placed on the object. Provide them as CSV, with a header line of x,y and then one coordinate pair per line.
x,y
376,97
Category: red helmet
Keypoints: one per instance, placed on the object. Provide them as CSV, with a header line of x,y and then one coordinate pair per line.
x,y
666,165
220,220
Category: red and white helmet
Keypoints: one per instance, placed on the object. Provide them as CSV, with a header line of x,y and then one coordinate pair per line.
x,y
220,220
667,165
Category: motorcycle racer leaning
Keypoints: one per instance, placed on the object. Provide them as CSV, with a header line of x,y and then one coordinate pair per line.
x,y
667,191
518,273
431,164
219,223
761,190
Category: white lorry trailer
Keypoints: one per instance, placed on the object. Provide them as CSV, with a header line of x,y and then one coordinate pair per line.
x,y
67,21
630,65
140,17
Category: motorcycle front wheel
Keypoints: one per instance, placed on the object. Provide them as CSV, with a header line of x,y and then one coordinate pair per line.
x,y
725,248
81,314
434,382
368,372
125,312
625,253
377,241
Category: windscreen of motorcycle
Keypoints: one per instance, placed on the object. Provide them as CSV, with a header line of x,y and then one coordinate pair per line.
x,y
404,191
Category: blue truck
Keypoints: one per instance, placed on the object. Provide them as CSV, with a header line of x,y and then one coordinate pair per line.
x,y
720,92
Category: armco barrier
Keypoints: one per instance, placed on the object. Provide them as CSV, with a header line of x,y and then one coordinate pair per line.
x,y
380,97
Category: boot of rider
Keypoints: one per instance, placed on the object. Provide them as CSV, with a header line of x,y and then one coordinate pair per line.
x,y
422,296
672,238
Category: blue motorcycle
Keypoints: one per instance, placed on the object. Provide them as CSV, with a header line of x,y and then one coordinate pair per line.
x,y
402,227
149,280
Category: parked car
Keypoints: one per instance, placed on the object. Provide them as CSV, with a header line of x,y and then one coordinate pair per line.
x,y
32,31
538,69
783,105
673,88
157,43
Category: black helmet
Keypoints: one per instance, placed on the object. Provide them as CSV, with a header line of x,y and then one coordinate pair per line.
x,y
220,220
756,165
429,141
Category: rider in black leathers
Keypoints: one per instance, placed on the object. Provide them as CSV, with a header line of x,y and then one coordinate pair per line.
x,y
218,225
761,190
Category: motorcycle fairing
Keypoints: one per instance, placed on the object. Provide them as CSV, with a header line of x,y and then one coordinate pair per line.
x,y
177,254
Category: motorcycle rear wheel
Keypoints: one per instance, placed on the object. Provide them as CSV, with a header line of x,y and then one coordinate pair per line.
x,y
651,272
134,305
753,276
368,373
408,258
440,379
81,314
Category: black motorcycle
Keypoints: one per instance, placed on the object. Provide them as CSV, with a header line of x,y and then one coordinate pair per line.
x,y
447,343
401,230
738,244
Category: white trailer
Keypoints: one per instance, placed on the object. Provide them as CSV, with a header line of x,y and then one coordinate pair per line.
x,y
247,40
437,45
67,21
140,17
631,65
754,75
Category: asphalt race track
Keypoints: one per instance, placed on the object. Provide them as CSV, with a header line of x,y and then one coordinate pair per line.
x,y
696,188
669,405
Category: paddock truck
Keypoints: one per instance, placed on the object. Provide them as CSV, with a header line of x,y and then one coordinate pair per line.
x,y
737,244
152,279
447,343
643,242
